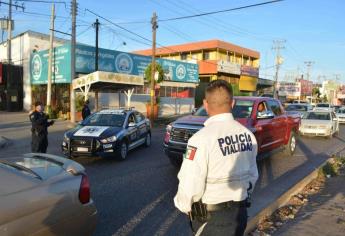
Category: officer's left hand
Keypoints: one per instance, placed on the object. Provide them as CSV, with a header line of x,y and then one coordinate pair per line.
x,y
51,122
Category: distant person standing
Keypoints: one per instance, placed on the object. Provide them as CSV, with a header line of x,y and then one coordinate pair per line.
x,y
86,110
39,129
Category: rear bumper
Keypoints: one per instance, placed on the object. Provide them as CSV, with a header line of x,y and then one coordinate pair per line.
x,y
315,132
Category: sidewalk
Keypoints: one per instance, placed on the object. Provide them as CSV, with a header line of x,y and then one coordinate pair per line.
x,y
324,214
317,209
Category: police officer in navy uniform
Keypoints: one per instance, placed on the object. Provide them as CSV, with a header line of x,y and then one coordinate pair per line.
x,y
39,129
85,112
219,169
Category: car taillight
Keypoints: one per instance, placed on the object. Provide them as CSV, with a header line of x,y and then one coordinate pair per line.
x,y
84,190
167,137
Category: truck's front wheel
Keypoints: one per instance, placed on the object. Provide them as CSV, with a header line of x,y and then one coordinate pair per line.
x,y
290,148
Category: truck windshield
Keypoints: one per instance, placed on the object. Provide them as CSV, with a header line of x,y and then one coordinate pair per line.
x,y
242,109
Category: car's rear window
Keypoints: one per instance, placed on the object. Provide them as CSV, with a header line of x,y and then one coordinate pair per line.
x,y
296,108
45,169
318,116
322,105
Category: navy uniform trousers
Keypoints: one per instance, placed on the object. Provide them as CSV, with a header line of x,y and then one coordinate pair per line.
x,y
230,221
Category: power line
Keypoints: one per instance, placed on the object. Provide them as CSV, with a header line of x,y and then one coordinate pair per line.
x,y
217,21
220,11
119,26
43,1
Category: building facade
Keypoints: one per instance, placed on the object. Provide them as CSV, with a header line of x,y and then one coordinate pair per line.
x,y
217,60
22,47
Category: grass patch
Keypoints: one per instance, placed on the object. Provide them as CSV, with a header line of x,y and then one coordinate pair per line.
x,y
332,167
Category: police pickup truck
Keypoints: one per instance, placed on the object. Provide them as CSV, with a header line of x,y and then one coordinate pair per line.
x,y
264,116
108,133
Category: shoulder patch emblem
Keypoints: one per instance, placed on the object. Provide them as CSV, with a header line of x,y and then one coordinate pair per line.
x,y
190,153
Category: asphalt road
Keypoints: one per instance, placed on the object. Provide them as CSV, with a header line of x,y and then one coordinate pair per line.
x,y
135,197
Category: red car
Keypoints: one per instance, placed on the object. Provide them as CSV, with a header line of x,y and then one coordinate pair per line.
x,y
264,116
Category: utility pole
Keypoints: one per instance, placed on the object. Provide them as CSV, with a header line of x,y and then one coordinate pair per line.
x,y
277,46
9,55
50,63
9,50
308,64
73,42
153,65
96,25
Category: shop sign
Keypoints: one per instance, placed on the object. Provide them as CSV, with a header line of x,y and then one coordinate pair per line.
x,y
108,61
108,77
306,87
228,67
289,89
61,67
248,83
133,64
250,71
178,71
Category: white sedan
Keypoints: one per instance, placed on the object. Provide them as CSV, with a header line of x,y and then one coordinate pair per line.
x,y
319,123
341,115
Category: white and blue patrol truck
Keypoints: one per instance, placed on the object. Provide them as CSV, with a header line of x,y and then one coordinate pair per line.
x,y
108,133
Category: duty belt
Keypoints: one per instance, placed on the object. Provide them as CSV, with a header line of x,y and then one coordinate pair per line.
x,y
225,205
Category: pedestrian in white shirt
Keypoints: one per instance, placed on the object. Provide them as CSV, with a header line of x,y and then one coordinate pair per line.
x,y
219,169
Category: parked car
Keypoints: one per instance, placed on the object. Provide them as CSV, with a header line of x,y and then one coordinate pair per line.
x,y
320,123
42,194
108,133
323,106
300,109
336,108
272,126
341,115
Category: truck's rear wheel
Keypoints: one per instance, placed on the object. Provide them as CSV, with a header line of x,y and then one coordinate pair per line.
x,y
290,148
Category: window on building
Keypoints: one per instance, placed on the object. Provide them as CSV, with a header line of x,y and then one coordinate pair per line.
x,y
206,55
228,57
245,61
183,56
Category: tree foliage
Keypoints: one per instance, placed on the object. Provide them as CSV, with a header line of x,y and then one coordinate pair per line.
x,y
148,72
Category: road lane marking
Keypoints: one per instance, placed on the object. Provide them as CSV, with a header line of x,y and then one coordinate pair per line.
x,y
167,223
131,224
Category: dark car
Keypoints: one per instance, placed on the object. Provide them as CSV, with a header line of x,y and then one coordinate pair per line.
x,y
108,133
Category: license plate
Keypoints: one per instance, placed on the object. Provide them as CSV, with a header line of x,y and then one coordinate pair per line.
x,y
82,149
107,145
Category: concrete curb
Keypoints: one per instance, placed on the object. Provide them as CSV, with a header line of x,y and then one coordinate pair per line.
x,y
283,199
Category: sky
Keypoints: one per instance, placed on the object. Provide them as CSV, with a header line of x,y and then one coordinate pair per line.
x,y
312,30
